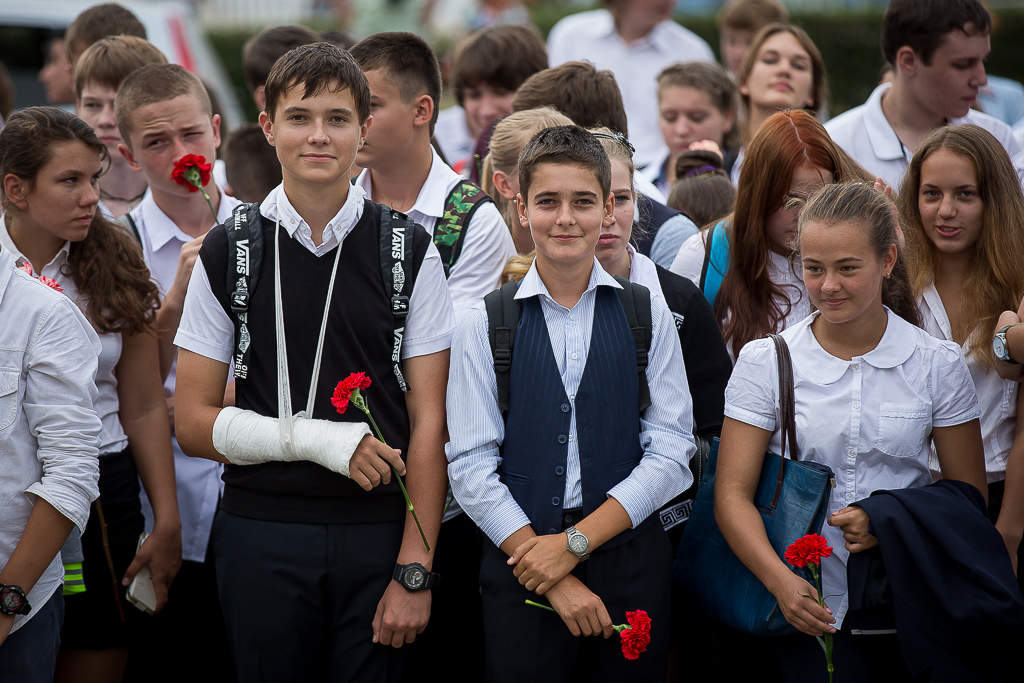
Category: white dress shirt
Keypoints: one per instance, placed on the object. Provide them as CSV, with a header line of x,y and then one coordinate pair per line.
x,y
869,418
112,436
207,330
591,36
866,135
996,396
49,431
477,429
199,483
488,244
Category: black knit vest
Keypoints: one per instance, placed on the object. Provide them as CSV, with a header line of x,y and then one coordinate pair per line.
x,y
359,338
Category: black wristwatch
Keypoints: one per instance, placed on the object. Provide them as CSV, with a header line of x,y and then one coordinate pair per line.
x,y
13,600
415,577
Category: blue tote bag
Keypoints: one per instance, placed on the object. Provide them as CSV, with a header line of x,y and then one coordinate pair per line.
x,y
792,498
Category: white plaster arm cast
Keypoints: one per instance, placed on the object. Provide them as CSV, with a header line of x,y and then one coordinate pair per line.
x,y
245,438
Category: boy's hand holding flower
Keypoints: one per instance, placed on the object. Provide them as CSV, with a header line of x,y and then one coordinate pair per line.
x,y
193,172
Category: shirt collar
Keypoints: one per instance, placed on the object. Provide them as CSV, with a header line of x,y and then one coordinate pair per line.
x,y
160,229
277,205
884,142
895,347
532,285
6,269
9,246
432,195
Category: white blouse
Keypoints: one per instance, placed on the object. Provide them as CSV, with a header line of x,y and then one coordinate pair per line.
x,y
996,396
869,418
783,271
112,436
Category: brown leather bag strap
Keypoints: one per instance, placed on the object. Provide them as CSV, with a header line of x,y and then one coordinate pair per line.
x,y
787,407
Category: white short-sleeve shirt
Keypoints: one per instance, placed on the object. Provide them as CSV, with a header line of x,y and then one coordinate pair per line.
x,y
869,418
996,396
866,135
488,244
591,36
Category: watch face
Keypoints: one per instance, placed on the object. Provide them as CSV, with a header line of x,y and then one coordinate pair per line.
x,y
414,578
999,347
12,601
578,544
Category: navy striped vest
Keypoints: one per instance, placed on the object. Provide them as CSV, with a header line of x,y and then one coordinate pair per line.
x,y
535,450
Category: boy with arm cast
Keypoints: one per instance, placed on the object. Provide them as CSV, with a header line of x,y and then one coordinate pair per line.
x,y
285,520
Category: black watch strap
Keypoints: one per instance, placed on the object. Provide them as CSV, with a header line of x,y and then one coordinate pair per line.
x,y
415,577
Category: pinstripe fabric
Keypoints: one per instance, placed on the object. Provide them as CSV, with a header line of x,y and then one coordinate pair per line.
x,y
476,427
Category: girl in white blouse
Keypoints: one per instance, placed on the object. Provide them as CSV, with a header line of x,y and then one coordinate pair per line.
x,y
51,163
872,392
965,229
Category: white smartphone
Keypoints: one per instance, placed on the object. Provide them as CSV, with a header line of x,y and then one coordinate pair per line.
x,y
141,592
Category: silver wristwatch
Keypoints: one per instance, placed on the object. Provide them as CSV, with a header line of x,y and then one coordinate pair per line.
x,y
577,543
1001,348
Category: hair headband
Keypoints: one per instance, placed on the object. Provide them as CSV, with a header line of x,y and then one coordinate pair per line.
x,y
619,138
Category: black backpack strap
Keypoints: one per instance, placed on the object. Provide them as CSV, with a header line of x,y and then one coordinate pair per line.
x,y
245,257
399,275
450,230
636,304
502,322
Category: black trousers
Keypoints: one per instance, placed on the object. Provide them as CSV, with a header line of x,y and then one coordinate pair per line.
x,y
525,643
299,599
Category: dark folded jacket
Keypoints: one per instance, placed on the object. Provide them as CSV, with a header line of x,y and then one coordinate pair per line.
x,y
953,589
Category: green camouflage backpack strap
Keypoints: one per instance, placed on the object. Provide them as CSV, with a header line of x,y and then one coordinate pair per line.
x,y
450,230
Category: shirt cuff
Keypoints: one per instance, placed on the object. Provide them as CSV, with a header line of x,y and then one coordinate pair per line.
x,y
973,414
503,520
634,499
751,418
190,342
425,346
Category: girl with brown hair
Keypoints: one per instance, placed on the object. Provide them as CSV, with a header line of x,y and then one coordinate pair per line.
x,y
50,166
964,211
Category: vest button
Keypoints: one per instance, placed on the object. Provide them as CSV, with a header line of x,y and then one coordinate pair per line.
x,y
559,470
552,531
565,407
562,438
555,501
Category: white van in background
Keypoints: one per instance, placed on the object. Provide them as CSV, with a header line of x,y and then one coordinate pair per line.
x,y
171,25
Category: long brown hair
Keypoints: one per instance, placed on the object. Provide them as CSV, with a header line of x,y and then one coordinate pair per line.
x,y
107,266
785,142
995,275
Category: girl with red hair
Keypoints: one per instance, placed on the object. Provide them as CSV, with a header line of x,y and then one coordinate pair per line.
x,y
746,267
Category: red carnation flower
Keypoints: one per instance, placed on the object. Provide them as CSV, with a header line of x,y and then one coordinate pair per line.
x,y
26,267
343,392
636,636
192,171
807,550
51,283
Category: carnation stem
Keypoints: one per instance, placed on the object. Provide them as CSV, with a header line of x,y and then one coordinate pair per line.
x,y
401,484
209,203
537,604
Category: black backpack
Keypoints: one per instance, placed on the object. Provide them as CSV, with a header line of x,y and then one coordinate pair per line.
x,y
503,311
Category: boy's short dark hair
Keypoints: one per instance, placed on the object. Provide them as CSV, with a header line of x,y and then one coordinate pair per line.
x,y
100,21
569,145
339,38
156,83
922,25
318,68
750,15
265,48
110,60
589,97
502,57
251,163
407,60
